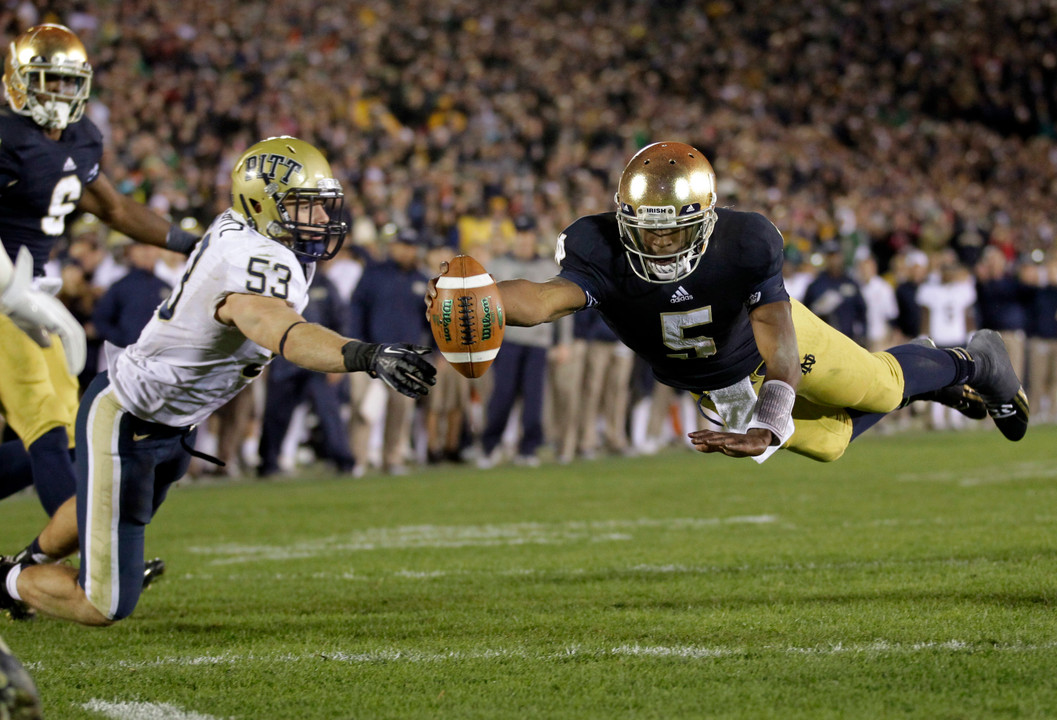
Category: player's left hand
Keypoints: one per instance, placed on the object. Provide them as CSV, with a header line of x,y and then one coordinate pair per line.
x,y
749,444
36,312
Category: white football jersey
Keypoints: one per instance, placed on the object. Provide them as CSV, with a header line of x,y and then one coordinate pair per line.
x,y
186,363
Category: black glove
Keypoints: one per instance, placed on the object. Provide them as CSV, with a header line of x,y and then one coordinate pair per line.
x,y
400,365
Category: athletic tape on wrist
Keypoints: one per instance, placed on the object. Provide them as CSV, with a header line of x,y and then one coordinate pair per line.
x,y
774,410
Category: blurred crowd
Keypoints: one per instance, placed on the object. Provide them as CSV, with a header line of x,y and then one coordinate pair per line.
x,y
894,142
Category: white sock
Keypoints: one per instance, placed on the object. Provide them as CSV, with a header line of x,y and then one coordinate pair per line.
x,y
12,582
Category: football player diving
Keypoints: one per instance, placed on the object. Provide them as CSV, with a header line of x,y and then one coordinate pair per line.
x,y
49,168
237,306
697,292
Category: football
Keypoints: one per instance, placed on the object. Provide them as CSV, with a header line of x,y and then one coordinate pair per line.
x,y
467,316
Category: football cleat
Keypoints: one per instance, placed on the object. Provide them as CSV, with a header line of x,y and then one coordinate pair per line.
x,y
152,570
19,699
14,609
997,382
962,398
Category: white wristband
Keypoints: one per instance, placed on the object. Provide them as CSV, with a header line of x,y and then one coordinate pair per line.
x,y
774,410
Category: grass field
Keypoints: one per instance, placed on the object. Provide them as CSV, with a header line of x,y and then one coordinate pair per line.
x,y
915,577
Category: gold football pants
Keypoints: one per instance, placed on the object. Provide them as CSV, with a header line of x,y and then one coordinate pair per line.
x,y
37,392
836,375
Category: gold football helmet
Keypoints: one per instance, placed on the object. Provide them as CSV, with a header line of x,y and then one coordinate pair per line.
x,y
285,190
47,76
666,210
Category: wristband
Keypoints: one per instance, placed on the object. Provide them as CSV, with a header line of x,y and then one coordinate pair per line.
x,y
179,240
358,355
282,342
774,410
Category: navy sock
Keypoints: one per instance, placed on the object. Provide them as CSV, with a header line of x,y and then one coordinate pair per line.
x,y
926,369
53,473
17,470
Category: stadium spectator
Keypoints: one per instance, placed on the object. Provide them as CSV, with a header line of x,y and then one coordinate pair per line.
x,y
879,299
519,370
1001,302
447,406
947,302
606,389
288,385
1042,342
386,306
127,306
835,296
910,270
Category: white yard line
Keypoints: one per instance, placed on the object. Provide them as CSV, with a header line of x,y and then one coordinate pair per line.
x,y
561,572
454,536
413,656
142,711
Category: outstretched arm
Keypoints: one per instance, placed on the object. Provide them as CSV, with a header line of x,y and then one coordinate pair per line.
x,y
526,302
127,216
530,303
271,323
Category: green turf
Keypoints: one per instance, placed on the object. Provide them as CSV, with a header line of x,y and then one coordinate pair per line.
x,y
915,577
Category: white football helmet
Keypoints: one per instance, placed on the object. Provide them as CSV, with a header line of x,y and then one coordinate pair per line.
x,y
666,210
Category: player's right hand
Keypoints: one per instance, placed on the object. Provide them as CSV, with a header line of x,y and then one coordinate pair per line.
x,y
403,368
36,312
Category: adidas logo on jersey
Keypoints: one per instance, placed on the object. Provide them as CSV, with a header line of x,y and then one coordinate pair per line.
x,y
681,295
70,165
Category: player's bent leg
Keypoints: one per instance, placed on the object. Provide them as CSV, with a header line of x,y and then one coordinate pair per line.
x,y
115,501
54,590
837,372
16,472
822,433
39,398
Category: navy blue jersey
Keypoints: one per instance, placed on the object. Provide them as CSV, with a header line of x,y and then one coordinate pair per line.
x,y
41,181
694,333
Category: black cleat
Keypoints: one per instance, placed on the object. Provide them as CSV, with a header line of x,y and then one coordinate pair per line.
x,y
152,570
19,699
997,382
960,397
14,609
